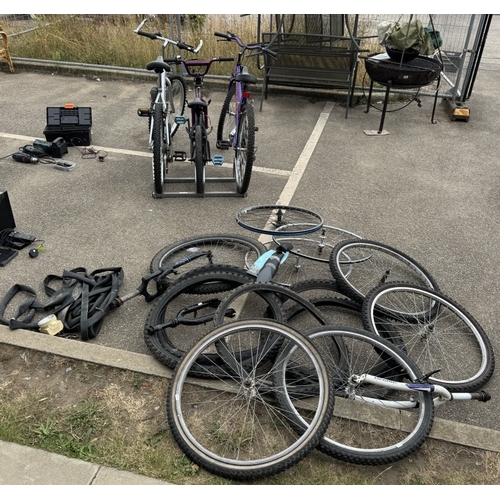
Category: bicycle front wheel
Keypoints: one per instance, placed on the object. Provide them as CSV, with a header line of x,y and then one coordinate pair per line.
x,y
159,149
179,100
446,337
371,425
233,426
199,164
245,148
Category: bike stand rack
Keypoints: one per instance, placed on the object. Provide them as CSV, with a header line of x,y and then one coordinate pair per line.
x,y
194,194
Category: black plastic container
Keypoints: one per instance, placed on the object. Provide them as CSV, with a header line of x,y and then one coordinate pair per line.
x,y
72,123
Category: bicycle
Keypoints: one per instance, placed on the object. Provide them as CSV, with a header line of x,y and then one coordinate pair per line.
x,y
167,101
236,128
199,127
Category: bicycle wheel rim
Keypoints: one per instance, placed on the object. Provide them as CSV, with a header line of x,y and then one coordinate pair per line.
x,y
446,338
268,219
236,449
370,425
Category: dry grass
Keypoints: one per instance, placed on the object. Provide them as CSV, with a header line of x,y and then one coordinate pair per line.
x,y
110,40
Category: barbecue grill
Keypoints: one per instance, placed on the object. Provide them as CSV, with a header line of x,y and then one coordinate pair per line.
x,y
416,73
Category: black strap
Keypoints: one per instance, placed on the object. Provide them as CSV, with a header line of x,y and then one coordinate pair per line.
x,y
27,309
81,302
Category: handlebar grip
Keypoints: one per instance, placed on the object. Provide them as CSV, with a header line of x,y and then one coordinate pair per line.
x,y
226,59
182,45
153,36
271,52
222,35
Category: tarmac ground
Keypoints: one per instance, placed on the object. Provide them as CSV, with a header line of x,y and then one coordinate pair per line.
x,y
430,190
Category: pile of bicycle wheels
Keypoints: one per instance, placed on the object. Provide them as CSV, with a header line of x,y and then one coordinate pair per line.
x,y
348,349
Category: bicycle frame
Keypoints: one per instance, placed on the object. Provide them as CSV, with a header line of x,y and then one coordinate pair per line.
x,y
443,395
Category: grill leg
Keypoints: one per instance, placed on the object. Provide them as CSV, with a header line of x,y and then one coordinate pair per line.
x,y
386,100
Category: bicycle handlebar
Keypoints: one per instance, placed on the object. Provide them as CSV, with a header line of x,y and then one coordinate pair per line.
x,y
158,36
231,37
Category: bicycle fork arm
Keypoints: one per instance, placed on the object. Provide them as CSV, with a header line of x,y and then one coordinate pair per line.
x,y
161,273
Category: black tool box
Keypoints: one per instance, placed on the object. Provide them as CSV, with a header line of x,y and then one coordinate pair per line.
x,y
70,122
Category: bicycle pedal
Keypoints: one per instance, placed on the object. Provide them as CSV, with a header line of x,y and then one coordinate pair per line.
x,y
223,144
179,156
218,160
180,120
144,112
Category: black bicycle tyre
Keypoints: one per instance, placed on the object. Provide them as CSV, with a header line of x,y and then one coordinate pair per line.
x,y
199,163
282,292
159,157
218,437
226,124
267,219
179,99
357,273
159,342
362,431
227,249
448,338
244,155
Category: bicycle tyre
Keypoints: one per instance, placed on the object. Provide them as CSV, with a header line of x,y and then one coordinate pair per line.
x,y
281,292
227,249
447,338
360,265
371,425
234,429
268,219
179,100
199,163
227,124
244,154
159,154
169,344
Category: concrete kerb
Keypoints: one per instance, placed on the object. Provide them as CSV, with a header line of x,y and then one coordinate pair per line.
x,y
443,430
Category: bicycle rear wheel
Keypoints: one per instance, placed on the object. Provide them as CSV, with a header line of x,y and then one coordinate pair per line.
x,y
279,219
233,427
371,425
446,337
245,148
179,100
159,149
226,128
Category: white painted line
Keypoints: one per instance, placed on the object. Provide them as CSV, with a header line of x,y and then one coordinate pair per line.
x,y
109,150
263,170
305,156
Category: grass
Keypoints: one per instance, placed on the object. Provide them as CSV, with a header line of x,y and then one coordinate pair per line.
x,y
110,40
117,418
